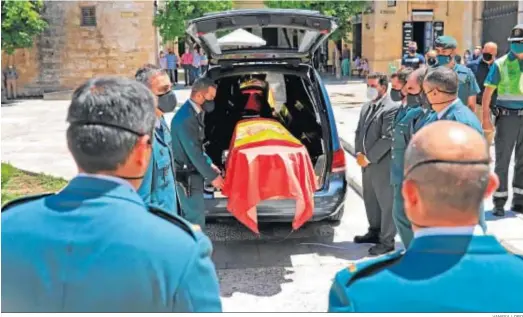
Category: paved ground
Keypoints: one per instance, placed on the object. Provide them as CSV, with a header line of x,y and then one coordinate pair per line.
x,y
267,274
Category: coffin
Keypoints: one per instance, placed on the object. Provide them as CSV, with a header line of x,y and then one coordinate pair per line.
x,y
266,162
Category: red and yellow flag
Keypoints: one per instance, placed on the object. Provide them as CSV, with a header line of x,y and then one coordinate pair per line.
x,y
267,162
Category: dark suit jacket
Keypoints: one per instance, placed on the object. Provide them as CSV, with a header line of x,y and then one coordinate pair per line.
x,y
187,137
481,70
374,131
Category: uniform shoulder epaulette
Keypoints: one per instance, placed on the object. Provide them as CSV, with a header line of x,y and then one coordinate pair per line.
x,y
25,199
182,224
356,271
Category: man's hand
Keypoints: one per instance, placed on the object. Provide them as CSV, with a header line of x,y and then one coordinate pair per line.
x,y
216,169
488,129
218,182
487,124
362,160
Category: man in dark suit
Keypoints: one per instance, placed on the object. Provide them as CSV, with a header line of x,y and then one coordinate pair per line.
x,y
451,265
480,67
192,164
373,145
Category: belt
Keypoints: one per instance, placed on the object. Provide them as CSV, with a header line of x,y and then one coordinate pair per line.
x,y
509,112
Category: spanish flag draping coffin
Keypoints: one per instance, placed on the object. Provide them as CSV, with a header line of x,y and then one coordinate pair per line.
x,y
266,162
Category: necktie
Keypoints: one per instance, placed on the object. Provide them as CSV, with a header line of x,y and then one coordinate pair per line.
x,y
372,111
201,118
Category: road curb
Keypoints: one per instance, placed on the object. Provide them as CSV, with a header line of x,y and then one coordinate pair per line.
x,y
348,147
354,181
355,186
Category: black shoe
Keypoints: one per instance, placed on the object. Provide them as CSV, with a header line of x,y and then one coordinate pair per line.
x,y
369,237
380,249
498,212
517,209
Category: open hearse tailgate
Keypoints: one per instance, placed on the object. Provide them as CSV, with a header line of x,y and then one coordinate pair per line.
x,y
282,34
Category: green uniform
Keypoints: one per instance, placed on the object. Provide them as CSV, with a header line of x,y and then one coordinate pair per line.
x,y
468,85
187,131
404,123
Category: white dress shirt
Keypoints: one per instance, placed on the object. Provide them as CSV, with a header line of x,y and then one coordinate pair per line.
x,y
195,107
449,231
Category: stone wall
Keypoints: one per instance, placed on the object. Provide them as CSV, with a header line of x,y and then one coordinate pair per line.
x,y
28,65
67,54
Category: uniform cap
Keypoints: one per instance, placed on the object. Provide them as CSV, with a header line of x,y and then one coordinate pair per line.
x,y
446,42
517,34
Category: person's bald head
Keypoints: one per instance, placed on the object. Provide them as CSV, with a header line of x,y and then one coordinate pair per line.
x,y
438,189
490,51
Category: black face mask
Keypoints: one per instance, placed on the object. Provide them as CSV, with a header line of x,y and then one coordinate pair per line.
x,y
167,102
487,57
396,95
443,91
413,100
120,127
208,106
432,61
424,101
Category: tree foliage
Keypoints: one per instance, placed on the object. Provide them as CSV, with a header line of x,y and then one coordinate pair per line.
x,y
21,22
343,10
171,19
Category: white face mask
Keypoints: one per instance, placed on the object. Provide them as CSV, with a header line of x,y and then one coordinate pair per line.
x,y
372,93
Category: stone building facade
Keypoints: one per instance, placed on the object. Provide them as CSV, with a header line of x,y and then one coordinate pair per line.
x,y
86,39
386,26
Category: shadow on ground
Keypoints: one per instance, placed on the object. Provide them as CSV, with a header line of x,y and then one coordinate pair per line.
x,y
10,103
490,217
261,265
332,80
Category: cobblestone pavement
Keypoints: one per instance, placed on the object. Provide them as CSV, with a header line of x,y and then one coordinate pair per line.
x,y
270,273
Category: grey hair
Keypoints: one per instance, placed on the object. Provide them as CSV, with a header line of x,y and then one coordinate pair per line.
x,y
402,74
420,74
114,101
444,79
146,72
202,85
446,185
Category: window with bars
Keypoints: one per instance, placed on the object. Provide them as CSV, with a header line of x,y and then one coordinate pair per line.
x,y
88,16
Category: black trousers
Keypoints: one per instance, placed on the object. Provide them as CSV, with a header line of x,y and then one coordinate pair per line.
x,y
509,138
